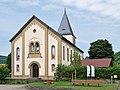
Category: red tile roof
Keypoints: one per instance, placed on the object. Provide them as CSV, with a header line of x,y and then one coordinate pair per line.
x,y
105,62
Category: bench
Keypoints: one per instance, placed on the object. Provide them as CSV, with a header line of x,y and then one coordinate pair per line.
x,y
86,82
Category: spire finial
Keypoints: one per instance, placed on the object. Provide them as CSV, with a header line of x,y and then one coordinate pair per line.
x,y
65,27
64,10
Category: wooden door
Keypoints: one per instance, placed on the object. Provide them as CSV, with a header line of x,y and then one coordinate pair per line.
x,y
35,70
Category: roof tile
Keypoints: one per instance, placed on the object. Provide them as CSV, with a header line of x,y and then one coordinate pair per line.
x,y
105,62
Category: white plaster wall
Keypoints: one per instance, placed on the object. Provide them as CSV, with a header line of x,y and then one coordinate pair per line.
x,y
81,55
52,41
18,43
38,36
66,62
70,38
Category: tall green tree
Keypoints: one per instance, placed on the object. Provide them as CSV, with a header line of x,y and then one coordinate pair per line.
x,y
8,61
117,58
100,49
4,72
75,58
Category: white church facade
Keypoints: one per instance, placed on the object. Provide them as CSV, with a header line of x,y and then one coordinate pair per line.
x,y
37,49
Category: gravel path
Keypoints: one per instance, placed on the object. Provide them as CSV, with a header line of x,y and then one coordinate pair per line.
x,y
25,87
13,87
118,88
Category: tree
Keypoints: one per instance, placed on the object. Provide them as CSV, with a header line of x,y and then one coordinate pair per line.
x,y
4,71
117,58
65,72
100,49
75,58
8,61
87,57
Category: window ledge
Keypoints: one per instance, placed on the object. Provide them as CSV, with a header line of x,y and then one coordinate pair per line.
x,y
34,55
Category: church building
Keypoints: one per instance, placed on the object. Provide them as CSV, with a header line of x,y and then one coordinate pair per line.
x,y
37,49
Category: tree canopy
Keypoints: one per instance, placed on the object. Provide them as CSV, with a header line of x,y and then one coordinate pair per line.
x,y
4,72
8,61
100,49
75,58
117,58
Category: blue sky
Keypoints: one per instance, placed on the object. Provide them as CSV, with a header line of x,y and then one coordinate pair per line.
x,y
90,19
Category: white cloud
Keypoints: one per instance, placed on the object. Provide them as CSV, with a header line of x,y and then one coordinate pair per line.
x,y
23,3
28,3
106,8
5,10
49,7
83,41
4,1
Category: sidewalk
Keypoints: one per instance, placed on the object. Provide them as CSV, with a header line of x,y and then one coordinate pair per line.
x,y
13,87
118,86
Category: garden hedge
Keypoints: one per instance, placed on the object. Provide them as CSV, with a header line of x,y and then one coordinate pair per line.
x,y
65,72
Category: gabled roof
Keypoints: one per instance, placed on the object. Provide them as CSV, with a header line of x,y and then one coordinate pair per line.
x,y
34,17
65,27
105,62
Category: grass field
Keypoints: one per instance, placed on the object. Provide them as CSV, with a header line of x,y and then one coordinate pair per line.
x,y
77,87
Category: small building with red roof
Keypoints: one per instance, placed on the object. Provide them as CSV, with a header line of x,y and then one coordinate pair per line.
x,y
102,63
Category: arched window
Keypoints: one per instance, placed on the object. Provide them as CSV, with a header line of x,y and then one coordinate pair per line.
x,y
71,56
67,54
18,53
53,67
79,57
32,47
63,52
53,52
17,68
37,47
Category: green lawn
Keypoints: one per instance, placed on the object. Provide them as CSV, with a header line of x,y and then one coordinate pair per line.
x,y
77,87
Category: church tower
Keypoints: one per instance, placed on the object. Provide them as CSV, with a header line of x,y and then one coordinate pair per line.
x,y
65,29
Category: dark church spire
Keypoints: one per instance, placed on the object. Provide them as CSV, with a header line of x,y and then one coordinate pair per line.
x,y
65,27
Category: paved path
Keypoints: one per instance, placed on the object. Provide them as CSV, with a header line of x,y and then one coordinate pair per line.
x,y
13,87
118,87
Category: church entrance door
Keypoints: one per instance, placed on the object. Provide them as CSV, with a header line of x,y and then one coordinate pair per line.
x,y
35,70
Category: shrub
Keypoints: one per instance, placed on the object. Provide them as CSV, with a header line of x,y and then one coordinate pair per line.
x,y
106,73
14,81
65,72
4,71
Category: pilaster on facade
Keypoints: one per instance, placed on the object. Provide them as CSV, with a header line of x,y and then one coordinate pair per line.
x,y
46,54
